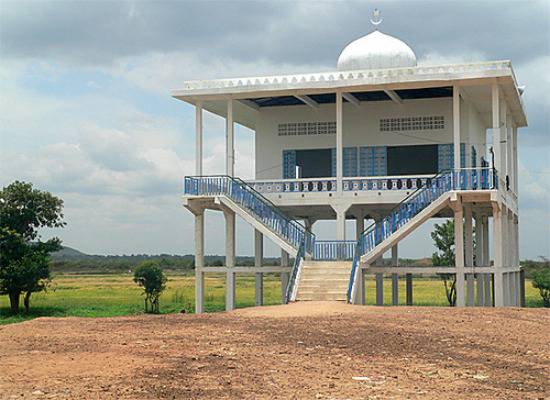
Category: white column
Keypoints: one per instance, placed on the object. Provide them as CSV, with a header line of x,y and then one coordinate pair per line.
x,y
487,297
199,263
515,157
496,126
498,256
229,140
509,144
258,263
340,211
459,254
229,260
480,281
359,225
394,276
456,126
339,142
469,253
285,262
198,138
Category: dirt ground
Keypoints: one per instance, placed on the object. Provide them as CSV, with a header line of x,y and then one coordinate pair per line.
x,y
300,351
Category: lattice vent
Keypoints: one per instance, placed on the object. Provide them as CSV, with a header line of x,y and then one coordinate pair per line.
x,y
426,123
307,128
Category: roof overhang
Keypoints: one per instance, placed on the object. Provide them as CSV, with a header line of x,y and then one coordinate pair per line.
x,y
214,93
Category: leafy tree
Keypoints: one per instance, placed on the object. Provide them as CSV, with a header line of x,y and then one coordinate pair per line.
x,y
541,281
24,261
150,277
444,239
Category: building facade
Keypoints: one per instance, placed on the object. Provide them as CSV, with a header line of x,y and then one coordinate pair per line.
x,y
381,139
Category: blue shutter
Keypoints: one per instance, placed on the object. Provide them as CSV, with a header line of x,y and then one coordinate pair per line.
x,y
474,157
350,161
445,157
289,164
373,161
462,155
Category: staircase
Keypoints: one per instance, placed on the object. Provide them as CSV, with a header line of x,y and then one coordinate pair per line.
x,y
412,212
253,207
324,280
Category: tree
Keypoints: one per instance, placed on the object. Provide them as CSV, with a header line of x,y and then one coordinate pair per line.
x,y
541,281
150,277
24,261
444,239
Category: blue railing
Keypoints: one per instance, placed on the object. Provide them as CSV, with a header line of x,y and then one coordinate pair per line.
x,y
334,249
294,274
463,179
260,207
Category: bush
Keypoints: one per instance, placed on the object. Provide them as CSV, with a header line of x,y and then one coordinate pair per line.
x,y
150,277
541,281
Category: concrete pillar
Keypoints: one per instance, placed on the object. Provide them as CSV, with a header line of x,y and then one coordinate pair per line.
x,y
394,277
341,224
456,126
198,138
480,279
459,254
230,302
258,263
379,289
285,262
469,253
487,297
409,289
359,225
229,140
229,259
495,93
498,281
199,263
339,142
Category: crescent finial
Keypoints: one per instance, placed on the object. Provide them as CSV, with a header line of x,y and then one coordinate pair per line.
x,y
376,20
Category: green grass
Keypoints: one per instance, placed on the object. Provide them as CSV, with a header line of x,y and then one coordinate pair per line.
x,y
112,295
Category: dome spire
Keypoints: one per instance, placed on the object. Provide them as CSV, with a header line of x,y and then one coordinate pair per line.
x,y
376,20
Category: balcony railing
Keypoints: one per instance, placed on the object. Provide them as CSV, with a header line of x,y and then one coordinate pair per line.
x,y
334,249
472,178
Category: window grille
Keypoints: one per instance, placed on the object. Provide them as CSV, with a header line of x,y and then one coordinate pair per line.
x,y
307,128
426,123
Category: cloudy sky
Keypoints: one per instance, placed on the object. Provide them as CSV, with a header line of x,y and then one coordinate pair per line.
x,y
85,110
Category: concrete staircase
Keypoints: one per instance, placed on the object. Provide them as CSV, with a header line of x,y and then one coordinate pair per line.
x,y
324,280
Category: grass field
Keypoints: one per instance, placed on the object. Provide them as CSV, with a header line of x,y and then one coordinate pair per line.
x,y
112,295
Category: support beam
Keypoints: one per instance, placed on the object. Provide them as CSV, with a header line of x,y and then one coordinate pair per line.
x,y
495,93
456,126
409,289
394,96
285,262
198,138
258,262
480,280
199,263
487,292
229,259
308,101
469,253
459,254
379,289
395,277
230,303
351,98
339,142
250,104
359,225
340,211
229,140
498,278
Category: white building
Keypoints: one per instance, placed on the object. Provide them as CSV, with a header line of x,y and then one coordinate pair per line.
x,y
379,138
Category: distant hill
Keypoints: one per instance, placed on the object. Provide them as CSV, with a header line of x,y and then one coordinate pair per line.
x,y
68,253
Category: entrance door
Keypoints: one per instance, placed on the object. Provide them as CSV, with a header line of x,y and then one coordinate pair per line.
x,y
413,160
315,163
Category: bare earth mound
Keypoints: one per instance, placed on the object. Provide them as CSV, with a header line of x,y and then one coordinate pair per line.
x,y
304,350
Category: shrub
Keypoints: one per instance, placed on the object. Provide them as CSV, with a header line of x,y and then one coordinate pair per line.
x,y
541,281
150,277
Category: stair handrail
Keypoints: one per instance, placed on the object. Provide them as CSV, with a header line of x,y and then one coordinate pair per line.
x,y
456,178
309,237
294,274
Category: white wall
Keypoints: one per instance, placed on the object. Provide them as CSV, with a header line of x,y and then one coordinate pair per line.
x,y
361,128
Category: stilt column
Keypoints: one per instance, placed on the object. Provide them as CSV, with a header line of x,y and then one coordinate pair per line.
x,y
199,263
229,259
394,277
258,263
459,254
